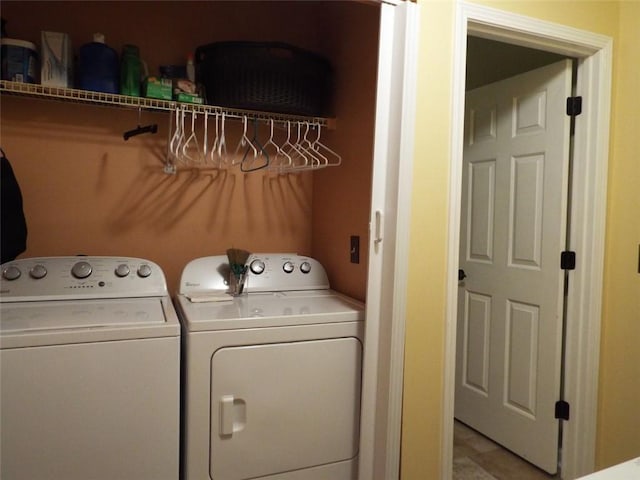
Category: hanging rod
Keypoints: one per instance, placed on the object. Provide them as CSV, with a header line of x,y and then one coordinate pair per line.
x,y
124,101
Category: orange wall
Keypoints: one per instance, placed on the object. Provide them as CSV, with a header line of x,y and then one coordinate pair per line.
x,y
342,195
87,191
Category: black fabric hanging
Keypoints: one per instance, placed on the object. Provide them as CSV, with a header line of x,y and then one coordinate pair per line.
x,y
13,227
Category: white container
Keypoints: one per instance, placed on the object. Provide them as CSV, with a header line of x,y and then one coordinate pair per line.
x,y
19,60
56,60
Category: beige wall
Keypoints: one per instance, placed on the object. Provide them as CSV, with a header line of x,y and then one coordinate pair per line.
x,y
619,418
619,407
422,407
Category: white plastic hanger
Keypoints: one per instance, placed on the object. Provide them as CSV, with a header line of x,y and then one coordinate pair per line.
x,y
281,159
176,139
244,141
190,148
222,143
317,146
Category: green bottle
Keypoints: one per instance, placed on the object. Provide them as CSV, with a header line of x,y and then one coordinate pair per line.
x,y
130,71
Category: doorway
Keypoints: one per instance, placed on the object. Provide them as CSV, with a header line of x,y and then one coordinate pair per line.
x,y
477,457
514,221
588,203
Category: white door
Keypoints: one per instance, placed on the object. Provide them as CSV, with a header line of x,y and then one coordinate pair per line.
x,y
513,224
379,454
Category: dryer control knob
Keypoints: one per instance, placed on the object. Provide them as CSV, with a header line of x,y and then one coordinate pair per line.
x,y
288,267
257,267
144,270
305,267
38,272
122,270
81,270
11,273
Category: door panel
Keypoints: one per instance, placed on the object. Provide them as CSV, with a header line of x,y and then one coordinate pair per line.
x,y
482,181
525,211
476,349
521,363
512,232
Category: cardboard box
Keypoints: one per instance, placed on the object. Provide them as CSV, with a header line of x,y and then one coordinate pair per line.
x,y
188,98
56,60
155,87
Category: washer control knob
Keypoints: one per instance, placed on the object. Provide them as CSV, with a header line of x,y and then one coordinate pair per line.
x,y
144,270
305,267
81,270
122,270
38,272
288,267
11,273
257,267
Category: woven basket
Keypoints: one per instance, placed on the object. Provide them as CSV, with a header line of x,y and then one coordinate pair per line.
x,y
270,76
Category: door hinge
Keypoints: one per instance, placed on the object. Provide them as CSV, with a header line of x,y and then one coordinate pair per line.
x,y
574,106
568,260
562,410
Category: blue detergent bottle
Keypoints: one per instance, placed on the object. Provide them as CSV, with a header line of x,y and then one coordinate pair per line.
x,y
98,67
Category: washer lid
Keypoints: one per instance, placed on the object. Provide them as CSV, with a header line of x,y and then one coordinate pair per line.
x,y
66,321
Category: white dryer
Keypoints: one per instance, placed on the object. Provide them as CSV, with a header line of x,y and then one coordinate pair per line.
x,y
271,379
89,370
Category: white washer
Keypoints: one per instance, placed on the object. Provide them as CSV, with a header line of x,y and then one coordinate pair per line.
x,y
89,370
271,379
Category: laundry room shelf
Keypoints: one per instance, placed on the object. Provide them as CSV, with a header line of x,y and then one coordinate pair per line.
x,y
124,101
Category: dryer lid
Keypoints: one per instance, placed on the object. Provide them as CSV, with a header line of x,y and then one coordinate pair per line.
x,y
258,310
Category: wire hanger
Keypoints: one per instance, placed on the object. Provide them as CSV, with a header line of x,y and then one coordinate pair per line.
x,y
152,128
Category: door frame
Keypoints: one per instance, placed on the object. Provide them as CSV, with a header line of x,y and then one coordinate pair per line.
x,y
588,211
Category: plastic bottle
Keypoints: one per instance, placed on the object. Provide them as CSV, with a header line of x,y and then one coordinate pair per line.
x,y
19,60
130,70
98,68
191,69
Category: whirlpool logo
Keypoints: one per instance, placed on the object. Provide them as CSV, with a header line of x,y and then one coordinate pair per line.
x,y
189,284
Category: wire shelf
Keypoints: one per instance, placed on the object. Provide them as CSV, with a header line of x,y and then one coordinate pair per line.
x,y
124,101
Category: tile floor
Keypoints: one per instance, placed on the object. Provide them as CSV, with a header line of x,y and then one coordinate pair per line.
x,y
475,457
